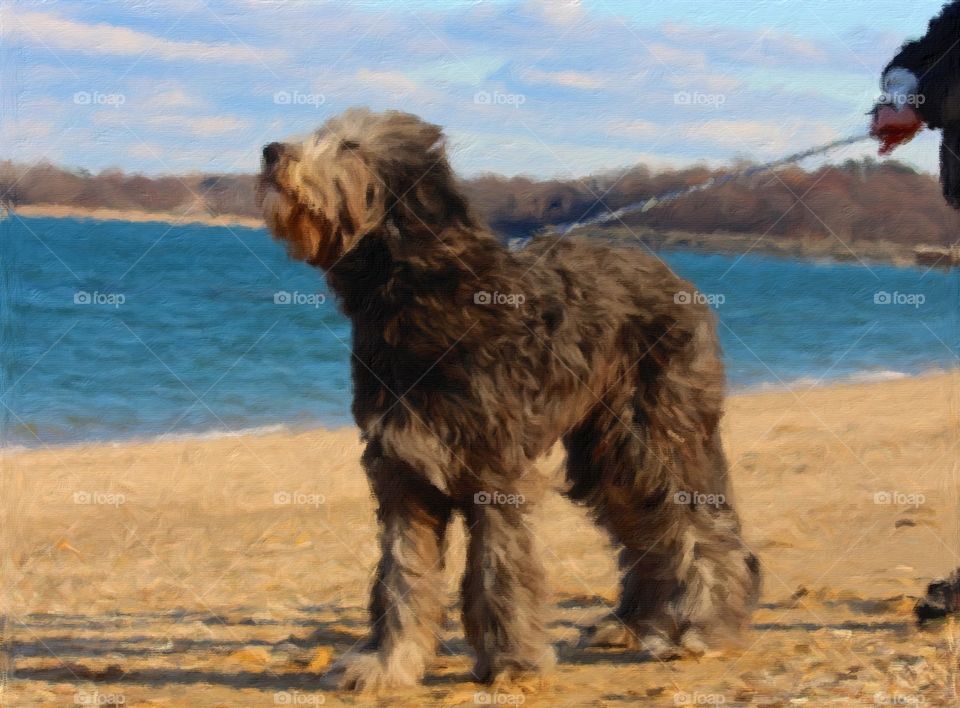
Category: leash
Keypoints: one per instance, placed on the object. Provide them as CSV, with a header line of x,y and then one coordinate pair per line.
x,y
661,199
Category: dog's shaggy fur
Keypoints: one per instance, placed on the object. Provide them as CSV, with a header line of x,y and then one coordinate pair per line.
x,y
469,362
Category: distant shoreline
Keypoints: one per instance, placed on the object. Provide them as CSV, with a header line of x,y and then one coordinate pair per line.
x,y
865,252
833,250
62,211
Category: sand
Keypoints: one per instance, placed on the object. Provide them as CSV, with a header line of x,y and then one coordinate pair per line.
x,y
231,571
63,211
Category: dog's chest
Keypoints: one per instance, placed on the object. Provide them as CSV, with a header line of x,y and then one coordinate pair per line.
x,y
388,376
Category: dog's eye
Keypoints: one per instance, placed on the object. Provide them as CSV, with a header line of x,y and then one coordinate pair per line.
x,y
349,145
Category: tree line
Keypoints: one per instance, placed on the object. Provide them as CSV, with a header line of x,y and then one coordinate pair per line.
x,y
857,200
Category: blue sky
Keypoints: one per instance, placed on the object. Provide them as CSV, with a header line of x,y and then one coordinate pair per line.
x,y
538,87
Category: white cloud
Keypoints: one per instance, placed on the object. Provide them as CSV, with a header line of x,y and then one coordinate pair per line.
x,y
475,153
638,129
198,126
558,12
26,132
395,84
706,81
35,141
677,56
173,97
758,136
158,159
48,30
201,126
147,151
566,79
765,47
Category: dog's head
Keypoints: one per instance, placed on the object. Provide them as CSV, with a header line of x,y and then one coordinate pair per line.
x,y
360,173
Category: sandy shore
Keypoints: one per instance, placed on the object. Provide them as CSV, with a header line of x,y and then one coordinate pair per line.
x,y
862,251
230,571
61,211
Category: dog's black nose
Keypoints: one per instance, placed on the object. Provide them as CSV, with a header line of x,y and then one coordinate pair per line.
x,y
272,153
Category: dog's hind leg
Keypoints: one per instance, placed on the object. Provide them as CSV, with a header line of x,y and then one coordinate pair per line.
x,y
687,577
406,603
504,591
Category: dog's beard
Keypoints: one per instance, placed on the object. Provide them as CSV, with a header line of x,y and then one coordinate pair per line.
x,y
281,214
308,236
276,208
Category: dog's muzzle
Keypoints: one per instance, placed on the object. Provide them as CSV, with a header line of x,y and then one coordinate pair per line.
x,y
271,155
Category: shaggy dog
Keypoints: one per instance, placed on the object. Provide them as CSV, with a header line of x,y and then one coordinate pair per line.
x,y
469,362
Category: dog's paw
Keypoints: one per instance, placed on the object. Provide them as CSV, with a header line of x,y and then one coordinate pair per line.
x,y
694,643
515,680
525,674
656,646
613,633
610,632
369,673
516,683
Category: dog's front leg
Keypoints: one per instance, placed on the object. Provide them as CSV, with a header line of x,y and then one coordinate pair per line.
x,y
504,591
406,600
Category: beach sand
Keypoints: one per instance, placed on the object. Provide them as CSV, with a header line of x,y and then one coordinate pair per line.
x,y
64,211
231,571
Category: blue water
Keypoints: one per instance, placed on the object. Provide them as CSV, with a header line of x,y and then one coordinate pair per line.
x,y
181,334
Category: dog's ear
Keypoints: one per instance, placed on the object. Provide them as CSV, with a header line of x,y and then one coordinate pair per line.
x,y
360,196
414,187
